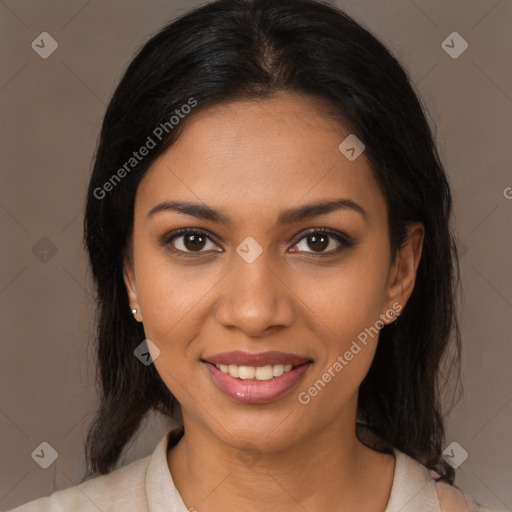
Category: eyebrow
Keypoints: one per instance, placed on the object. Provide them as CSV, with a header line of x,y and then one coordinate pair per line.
x,y
288,216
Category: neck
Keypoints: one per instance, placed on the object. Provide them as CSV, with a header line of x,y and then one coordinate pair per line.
x,y
330,466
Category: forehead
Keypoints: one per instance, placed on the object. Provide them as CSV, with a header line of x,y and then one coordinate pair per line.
x,y
275,152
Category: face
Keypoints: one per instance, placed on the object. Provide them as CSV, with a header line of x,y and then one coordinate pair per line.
x,y
258,280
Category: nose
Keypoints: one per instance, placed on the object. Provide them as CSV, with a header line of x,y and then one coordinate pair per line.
x,y
255,298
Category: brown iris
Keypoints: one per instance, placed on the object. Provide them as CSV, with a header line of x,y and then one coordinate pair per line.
x,y
194,241
318,241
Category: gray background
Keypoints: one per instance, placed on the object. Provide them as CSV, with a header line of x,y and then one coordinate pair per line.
x,y
51,111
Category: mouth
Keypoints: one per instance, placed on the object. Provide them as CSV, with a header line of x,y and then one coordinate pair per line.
x,y
256,378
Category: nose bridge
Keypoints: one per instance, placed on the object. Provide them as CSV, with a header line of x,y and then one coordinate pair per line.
x,y
254,298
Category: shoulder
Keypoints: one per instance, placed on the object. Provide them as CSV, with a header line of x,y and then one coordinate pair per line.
x,y
139,486
452,499
416,489
121,490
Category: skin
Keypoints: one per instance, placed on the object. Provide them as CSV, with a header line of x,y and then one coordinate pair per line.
x,y
251,160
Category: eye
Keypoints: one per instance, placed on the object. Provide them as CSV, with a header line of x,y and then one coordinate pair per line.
x,y
186,242
189,241
322,240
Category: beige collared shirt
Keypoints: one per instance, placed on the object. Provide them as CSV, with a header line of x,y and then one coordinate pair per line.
x,y
146,485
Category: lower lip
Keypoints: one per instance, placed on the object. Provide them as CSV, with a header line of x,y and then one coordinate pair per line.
x,y
253,391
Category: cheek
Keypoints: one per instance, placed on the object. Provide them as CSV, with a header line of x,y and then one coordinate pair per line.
x,y
349,297
175,305
168,294
347,303
350,307
171,305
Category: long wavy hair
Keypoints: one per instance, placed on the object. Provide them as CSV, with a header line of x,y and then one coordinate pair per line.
x,y
231,50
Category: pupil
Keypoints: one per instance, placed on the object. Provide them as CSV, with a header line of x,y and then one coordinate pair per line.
x,y
194,241
318,242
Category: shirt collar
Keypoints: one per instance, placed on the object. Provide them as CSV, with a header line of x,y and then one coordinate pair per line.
x,y
161,493
413,489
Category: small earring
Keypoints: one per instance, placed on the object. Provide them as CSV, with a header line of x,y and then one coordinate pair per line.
x,y
391,313
134,313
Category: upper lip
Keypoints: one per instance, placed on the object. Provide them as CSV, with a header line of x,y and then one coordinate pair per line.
x,y
261,359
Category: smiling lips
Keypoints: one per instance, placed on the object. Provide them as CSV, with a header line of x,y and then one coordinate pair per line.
x,y
256,378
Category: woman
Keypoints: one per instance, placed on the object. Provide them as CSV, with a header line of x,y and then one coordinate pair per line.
x,y
268,225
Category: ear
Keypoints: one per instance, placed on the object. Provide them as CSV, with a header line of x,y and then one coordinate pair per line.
x,y
131,288
402,275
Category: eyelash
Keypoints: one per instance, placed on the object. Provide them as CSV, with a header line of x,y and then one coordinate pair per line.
x,y
344,240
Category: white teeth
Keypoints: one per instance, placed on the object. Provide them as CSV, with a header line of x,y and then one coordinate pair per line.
x,y
246,372
277,370
266,372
